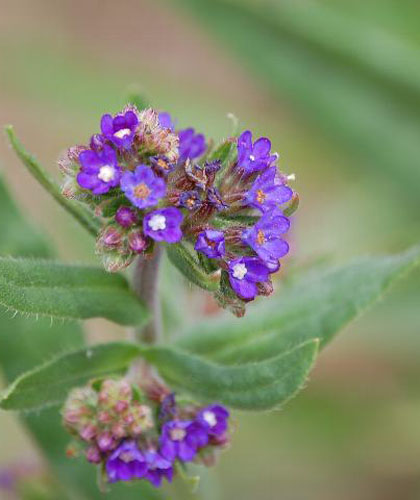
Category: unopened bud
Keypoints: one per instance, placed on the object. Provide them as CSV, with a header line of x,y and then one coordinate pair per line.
x,y
120,406
137,242
93,455
105,441
88,432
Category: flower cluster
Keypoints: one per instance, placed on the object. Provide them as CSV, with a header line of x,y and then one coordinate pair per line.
x,y
133,435
150,183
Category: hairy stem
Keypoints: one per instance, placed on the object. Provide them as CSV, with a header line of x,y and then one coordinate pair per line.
x,y
145,285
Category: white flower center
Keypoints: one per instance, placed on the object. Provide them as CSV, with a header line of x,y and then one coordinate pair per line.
x,y
239,271
252,157
106,173
178,434
157,222
120,134
210,418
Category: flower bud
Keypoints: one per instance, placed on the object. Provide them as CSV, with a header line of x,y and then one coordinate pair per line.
x,y
93,455
121,406
109,237
88,432
105,441
137,242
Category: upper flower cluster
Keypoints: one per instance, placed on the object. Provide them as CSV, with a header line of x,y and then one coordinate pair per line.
x,y
151,183
133,440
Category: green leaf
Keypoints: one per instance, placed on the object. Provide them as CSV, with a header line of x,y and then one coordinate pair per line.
x,y
77,210
182,257
251,386
49,384
45,288
316,305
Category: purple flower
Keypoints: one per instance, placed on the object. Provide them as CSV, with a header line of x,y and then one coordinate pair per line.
x,y
211,167
168,407
245,273
157,468
215,199
162,165
121,129
126,216
165,121
182,439
191,145
265,236
214,419
142,187
97,142
254,157
211,243
127,462
190,200
99,171
164,225
268,191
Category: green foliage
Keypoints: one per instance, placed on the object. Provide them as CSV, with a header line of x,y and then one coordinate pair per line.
x,y
78,211
183,257
316,305
46,288
250,386
49,383
254,364
363,94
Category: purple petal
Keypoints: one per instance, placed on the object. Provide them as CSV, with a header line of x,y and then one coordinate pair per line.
x,y
261,147
185,452
106,125
245,289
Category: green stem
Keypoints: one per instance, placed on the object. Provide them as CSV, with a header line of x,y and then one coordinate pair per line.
x,y
145,284
79,212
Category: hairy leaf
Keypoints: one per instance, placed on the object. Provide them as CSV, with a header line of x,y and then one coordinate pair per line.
x,y
183,258
77,210
45,288
317,305
49,384
251,386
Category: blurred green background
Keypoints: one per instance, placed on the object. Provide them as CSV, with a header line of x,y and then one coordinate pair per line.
x,y
336,85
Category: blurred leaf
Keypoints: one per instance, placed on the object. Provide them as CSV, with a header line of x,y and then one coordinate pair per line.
x,y
251,386
322,69
65,372
46,288
182,257
77,210
316,305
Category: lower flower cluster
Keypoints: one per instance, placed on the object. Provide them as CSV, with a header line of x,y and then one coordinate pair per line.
x,y
133,435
